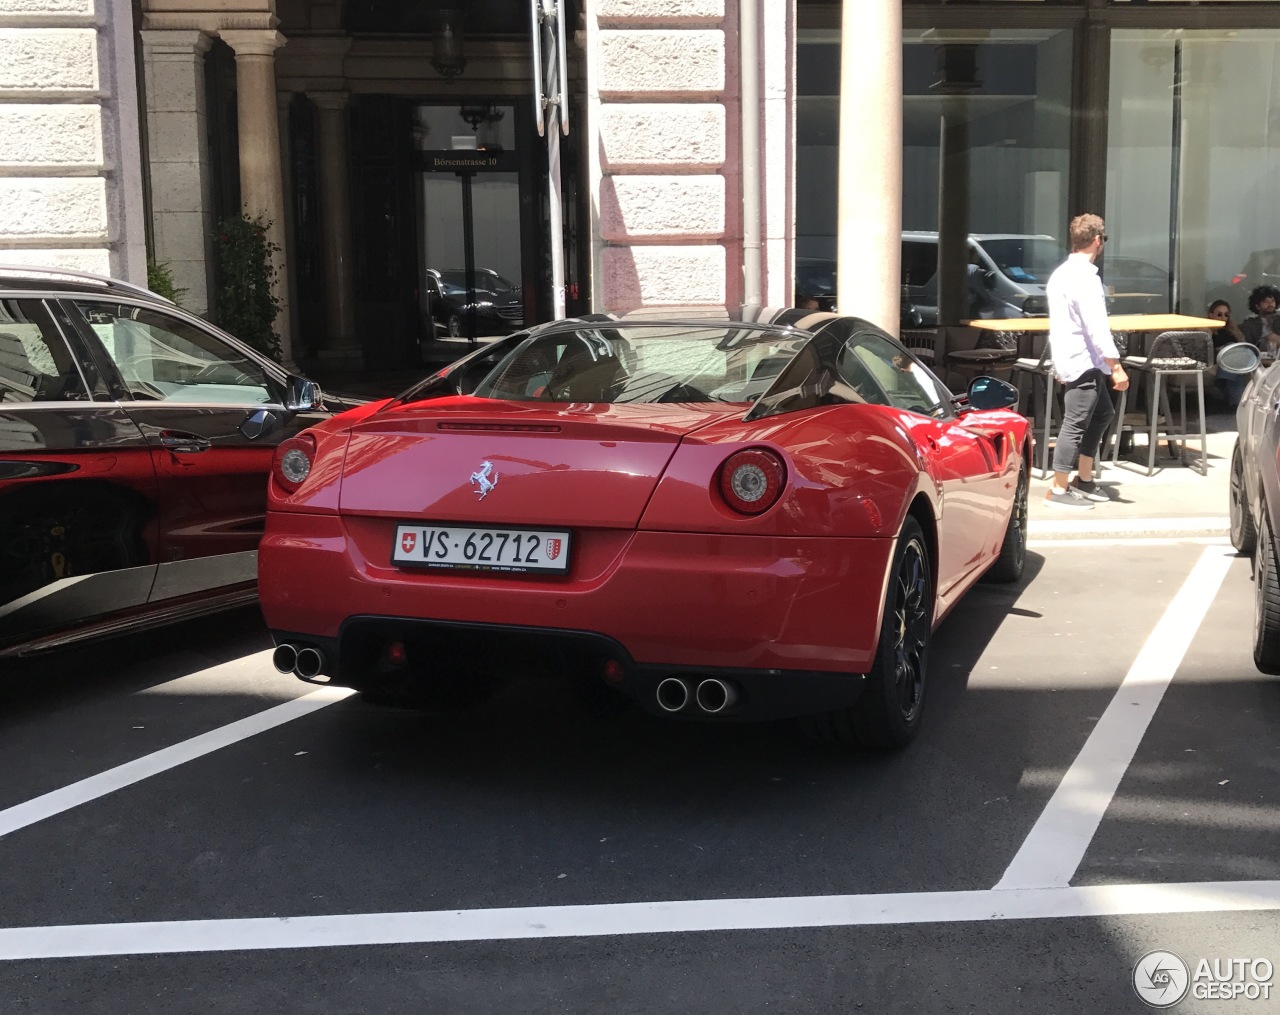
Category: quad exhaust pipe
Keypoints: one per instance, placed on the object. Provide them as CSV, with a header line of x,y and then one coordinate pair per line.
x,y
284,658
712,695
306,662
673,694
310,663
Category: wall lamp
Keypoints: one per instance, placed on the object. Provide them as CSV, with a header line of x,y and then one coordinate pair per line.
x,y
446,44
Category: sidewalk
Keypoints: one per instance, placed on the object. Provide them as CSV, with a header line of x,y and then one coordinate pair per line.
x,y
1176,502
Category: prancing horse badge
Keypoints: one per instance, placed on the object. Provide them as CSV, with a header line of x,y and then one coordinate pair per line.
x,y
484,479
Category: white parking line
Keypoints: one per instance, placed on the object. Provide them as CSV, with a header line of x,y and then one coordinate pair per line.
x,y
59,800
633,918
1050,855
1143,541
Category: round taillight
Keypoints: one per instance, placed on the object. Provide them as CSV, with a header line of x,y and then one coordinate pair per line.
x,y
751,481
293,460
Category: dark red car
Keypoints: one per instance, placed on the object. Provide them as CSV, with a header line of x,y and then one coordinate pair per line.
x,y
135,443
723,519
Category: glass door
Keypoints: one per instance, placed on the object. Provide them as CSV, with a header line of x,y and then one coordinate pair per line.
x,y
467,191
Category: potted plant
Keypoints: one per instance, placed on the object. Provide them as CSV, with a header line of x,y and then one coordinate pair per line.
x,y
246,304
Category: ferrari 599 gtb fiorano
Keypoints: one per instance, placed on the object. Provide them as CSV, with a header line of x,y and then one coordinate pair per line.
x,y
722,519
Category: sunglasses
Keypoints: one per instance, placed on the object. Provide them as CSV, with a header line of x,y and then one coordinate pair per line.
x,y
1104,237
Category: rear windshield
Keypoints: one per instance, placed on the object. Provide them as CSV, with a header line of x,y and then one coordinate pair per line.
x,y
644,363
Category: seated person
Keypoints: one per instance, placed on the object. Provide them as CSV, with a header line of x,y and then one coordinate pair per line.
x,y
1259,329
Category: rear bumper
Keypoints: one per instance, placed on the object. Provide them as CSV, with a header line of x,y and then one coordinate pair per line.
x,y
439,652
665,599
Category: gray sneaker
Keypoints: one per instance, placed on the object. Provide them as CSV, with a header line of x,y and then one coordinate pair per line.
x,y
1090,490
1067,498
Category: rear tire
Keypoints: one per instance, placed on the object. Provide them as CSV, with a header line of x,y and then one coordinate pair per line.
x,y
887,715
1266,600
1013,551
1244,531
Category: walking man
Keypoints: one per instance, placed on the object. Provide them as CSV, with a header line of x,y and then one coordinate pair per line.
x,y
1085,358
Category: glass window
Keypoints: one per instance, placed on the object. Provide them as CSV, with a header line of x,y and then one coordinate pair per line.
x,y
1193,168
881,373
35,363
643,363
1005,98
163,358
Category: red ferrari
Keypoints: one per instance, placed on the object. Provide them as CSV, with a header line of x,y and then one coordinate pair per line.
x,y
723,519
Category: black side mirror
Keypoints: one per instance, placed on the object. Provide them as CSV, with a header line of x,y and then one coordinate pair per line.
x,y
991,393
303,395
989,279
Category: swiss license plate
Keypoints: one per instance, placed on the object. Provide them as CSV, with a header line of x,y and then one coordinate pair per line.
x,y
464,547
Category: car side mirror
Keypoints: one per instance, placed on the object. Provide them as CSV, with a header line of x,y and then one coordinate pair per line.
x,y
991,393
989,279
303,395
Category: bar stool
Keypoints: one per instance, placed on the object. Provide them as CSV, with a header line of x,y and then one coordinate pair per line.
x,y
1181,355
1034,370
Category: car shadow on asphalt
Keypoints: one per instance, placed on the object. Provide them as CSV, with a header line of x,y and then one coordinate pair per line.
x,y
550,724
34,685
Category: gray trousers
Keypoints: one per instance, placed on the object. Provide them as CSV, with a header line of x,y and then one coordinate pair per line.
x,y
1086,412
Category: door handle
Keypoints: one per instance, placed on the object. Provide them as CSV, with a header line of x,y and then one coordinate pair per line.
x,y
182,443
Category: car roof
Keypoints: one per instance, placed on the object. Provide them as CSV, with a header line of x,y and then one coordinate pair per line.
x,y
27,278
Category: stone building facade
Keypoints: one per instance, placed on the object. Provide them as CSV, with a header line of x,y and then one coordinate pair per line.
x,y
71,178
704,164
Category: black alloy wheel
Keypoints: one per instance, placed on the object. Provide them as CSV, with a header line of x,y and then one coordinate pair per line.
x,y
1013,551
909,628
1266,603
1244,532
887,715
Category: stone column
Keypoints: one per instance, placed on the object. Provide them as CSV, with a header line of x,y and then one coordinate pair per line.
x,y
261,184
178,159
335,210
869,220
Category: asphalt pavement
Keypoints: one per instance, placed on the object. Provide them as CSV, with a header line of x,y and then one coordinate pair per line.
x,y
184,830
559,830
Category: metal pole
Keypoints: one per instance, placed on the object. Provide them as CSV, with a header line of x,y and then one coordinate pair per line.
x,y
555,223
1175,180
749,90
469,255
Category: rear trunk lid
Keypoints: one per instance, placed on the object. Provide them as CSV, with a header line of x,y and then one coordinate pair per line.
x,y
501,463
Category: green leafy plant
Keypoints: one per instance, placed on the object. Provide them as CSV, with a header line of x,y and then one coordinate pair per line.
x,y
160,281
246,273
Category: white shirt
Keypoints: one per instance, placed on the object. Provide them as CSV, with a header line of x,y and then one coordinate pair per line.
x,y
1079,335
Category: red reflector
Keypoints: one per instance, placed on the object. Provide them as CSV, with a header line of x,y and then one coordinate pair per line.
x,y
872,512
396,654
613,671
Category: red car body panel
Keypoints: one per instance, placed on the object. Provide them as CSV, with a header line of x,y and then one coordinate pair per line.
x,y
659,562
758,602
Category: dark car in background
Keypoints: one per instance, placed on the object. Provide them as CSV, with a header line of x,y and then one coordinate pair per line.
x,y
135,444
1255,507
498,308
